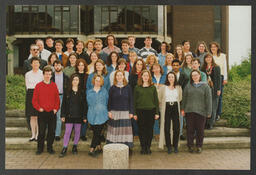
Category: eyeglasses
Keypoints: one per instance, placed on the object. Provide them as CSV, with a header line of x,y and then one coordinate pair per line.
x,y
34,49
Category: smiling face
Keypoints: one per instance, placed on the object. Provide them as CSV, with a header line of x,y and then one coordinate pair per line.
x,y
195,77
53,58
90,46
93,57
81,67
119,77
179,50
98,46
132,57
163,47
195,65
57,67
70,45
131,41
188,59
121,66
169,59
139,66
186,46
58,47
72,60
35,65
40,44
214,48
47,76
171,78
201,48
208,60
114,57
80,47
156,69
49,42
34,50
99,66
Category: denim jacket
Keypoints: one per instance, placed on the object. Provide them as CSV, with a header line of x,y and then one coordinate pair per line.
x,y
89,84
97,106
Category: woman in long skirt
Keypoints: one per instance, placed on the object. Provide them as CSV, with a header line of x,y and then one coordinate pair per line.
x,y
120,107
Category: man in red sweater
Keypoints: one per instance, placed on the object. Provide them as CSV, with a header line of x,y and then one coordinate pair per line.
x,y
46,101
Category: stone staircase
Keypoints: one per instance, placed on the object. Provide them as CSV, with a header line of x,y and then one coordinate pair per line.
x,y
220,137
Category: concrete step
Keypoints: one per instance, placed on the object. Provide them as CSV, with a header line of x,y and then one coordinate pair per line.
x,y
20,121
14,143
15,113
215,132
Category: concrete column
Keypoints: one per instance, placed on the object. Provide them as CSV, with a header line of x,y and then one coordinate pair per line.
x,y
10,59
115,156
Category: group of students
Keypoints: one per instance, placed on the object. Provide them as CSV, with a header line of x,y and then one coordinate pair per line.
x,y
131,91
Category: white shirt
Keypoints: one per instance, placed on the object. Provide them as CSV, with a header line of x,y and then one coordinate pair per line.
x,y
111,77
157,79
44,55
178,76
32,78
222,62
171,95
169,69
66,53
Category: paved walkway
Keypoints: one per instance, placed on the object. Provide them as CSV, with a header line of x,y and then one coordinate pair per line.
x,y
231,159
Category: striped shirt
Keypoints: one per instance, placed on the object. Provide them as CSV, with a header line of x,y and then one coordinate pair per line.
x,y
144,52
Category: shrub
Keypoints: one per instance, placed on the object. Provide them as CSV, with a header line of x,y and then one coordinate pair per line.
x,y
15,92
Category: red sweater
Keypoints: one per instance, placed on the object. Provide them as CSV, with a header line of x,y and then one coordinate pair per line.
x,y
46,96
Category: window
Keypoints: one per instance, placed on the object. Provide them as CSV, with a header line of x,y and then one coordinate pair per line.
x,y
45,19
217,24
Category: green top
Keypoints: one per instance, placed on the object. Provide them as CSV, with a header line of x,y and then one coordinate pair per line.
x,y
145,98
69,71
187,71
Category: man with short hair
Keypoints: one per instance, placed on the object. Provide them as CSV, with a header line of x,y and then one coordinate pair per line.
x,y
49,41
182,80
98,49
46,101
147,50
186,48
43,53
80,51
62,57
70,45
132,40
196,66
125,50
61,81
34,51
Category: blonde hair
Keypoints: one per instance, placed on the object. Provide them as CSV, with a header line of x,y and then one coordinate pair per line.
x,y
101,79
124,80
149,57
167,55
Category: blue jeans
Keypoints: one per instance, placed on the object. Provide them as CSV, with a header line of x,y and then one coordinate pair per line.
x,y
156,127
219,110
215,100
58,119
84,129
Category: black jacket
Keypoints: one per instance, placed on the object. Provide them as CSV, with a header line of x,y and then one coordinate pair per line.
x,y
65,107
183,80
133,79
65,81
27,65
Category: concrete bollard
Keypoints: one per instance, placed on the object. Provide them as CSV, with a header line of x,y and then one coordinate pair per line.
x,y
115,156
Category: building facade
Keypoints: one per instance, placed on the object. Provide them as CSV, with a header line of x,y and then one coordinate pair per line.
x,y
25,23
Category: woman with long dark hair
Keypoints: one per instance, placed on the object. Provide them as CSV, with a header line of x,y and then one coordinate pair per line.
x,y
201,51
179,53
73,113
170,98
146,107
212,71
196,107
221,60
112,61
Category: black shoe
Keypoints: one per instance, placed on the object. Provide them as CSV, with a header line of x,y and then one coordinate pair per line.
x,y
83,138
143,151
182,137
176,150
148,151
217,118
57,138
51,151
198,150
74,149
38,152
63,152
169,150
190,150
32,139
92,154
99,151
210,127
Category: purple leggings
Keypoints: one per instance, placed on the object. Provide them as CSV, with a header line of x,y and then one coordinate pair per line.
x,y
68,130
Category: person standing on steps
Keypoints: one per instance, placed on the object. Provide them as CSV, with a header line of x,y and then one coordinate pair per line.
x,y
146,109
47,102
31,79
196,106
61,81
73,113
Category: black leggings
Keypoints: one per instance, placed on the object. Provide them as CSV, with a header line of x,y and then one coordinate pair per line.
x,y
97,129
146,119
171,113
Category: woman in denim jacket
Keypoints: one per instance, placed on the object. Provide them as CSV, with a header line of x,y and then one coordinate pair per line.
x,y
97,99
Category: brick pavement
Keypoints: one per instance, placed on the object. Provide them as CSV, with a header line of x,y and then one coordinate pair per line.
x,y
230,159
